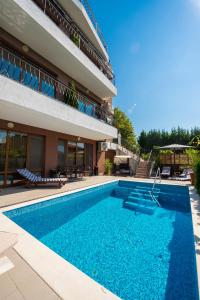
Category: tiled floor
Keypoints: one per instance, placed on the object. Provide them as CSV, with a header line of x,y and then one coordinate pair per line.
x,y
22,282
15,195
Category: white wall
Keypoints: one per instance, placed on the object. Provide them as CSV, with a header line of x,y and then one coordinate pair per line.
x,y
21,104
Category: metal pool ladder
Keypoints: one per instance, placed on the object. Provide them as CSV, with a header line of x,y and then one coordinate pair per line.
x,y
156,180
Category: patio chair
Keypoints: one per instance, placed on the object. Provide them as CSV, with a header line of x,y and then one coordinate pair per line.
x,y
166,171
185,175
34,179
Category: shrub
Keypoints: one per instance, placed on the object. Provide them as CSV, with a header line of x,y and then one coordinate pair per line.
x,y
108,167
145,156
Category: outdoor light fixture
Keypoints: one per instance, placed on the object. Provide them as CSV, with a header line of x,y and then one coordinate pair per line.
x,y
25,48
11,125
78,138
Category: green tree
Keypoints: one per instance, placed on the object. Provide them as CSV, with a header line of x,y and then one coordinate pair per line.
x,y
126,129
148,139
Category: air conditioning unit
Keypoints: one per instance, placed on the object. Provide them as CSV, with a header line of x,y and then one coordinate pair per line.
x,y
102,146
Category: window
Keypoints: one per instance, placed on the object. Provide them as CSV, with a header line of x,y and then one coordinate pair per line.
x,y
3,135
61,154
75,154
80,154
17,146
19,150
71,154
35,153
89,157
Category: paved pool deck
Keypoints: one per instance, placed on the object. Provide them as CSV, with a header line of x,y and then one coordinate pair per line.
x,y
39,273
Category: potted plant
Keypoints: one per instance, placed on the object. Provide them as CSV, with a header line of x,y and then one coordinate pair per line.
x,y
76,39
108,167
70,96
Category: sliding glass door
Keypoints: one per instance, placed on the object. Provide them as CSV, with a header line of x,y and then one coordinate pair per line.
x,y
73,154
3,135
19,150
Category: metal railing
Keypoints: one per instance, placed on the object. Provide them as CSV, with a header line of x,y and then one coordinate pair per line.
x,y
94,22
59,16
158,177
22,71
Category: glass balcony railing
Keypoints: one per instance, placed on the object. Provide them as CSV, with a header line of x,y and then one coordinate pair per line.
x,y
18,69
60,17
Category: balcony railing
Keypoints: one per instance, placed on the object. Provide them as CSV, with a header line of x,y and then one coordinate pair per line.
x,y
20,70
94,22
60,17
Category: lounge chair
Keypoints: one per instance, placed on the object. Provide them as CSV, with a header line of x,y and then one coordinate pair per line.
x,y
185,175
165,171
34,179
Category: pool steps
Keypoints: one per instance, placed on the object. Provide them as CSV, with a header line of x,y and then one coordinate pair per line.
x,y
139,198
143,208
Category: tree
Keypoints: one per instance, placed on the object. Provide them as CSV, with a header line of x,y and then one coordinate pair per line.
x,y
125,127
148,139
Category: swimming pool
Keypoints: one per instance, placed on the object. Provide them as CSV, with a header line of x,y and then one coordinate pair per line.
x,y
134,254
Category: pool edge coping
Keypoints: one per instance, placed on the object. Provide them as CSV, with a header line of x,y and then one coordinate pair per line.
x,y
194,197
27,241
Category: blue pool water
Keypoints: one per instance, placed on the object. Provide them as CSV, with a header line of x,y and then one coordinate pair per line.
x,y
133,254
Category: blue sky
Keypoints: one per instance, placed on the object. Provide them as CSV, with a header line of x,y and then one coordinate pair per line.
x,y
154,47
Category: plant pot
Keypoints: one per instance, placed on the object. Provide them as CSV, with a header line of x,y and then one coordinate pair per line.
x,y
193,178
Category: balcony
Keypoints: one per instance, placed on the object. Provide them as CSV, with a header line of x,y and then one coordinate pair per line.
x,y
27,22
94,22
21,71
60,17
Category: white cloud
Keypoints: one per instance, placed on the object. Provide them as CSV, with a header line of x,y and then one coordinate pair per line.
x,y
131,109
196,4
135,47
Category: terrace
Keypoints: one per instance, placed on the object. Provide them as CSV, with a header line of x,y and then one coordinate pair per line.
x,y
60,17
32,76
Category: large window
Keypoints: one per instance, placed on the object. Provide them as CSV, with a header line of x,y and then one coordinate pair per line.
x,y
17,147
89,157
35,153
61,153
19,150
80,151
71,154
75,154
3,135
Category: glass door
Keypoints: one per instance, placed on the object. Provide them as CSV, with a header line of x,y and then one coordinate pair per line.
x,y
3,138
35,154
16,156
17,151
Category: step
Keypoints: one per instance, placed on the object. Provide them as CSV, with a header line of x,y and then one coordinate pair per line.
x,y
145,193
142,195
139,207
141,188
141,200
122,191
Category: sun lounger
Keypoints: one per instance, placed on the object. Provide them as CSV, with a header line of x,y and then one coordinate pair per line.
x,y
165,171
185,175
34,179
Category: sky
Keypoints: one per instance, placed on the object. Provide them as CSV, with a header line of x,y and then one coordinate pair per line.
x,y
154,47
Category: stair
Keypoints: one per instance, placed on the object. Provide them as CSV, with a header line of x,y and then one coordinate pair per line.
x,y
140,200
142,170
143,208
